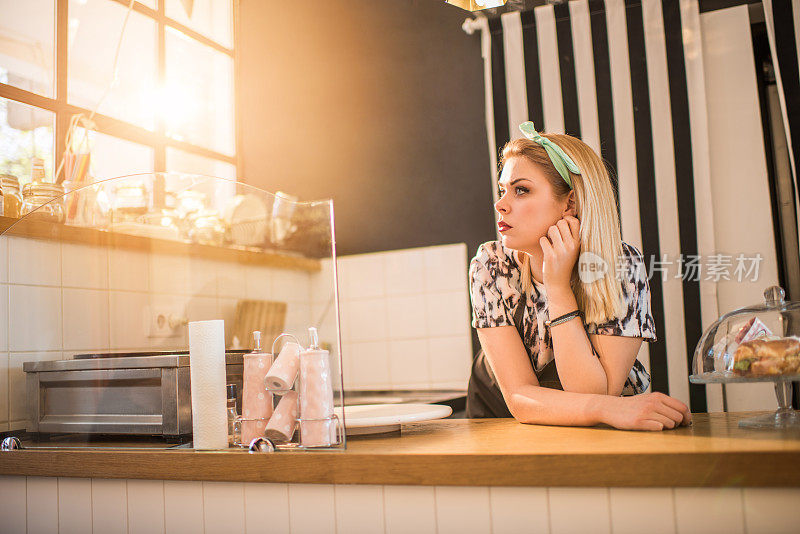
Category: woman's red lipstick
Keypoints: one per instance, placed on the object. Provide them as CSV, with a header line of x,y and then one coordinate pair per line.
x,y
503,226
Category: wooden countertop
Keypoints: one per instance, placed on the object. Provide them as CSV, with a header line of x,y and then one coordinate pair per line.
x,y
477,452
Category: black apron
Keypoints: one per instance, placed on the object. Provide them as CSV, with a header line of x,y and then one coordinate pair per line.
x,y
484,398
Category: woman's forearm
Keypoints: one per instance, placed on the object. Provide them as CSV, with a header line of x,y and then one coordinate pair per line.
x,y
578,368
545,406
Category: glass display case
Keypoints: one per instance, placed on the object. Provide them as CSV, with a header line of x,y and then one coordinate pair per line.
x,y
759,343
153,285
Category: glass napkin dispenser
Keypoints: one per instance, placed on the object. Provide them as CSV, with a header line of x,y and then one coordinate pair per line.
x,y
759,343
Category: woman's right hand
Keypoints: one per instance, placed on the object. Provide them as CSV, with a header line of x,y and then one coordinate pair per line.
x,y
648,411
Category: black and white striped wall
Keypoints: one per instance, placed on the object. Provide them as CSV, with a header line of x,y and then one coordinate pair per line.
x,y
628,77
783,29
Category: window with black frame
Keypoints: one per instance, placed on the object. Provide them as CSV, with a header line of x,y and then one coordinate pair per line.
x,y
118,86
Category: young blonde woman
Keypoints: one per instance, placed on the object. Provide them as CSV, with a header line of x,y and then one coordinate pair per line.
x,y
559,334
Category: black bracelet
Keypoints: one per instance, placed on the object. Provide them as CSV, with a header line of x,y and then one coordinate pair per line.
x,y
564,318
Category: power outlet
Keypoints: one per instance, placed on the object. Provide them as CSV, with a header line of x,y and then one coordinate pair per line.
x,y
164,323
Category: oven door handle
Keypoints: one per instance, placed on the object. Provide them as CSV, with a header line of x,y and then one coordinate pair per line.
x,y
99,374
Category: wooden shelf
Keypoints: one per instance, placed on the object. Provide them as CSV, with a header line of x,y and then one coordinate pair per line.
x,y
91,236
470,452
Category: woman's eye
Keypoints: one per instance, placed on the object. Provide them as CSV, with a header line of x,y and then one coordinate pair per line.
x,y
519,190
501,192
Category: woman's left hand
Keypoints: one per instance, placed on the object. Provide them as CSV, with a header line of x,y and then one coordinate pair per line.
x,y
561,247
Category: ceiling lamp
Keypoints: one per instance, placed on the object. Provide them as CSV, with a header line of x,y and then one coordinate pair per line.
x,y
476,5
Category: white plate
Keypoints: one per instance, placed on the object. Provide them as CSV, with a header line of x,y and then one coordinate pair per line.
x,y
378,418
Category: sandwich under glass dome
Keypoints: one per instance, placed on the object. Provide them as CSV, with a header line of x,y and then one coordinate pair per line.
x,y
759,343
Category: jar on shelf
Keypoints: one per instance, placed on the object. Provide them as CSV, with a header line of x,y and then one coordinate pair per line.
x,y
130,201
47,195
12,198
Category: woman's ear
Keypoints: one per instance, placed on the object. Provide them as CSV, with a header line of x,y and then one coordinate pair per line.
x,y
570,208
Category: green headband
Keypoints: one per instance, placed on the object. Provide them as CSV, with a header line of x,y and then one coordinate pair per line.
x,y
561,161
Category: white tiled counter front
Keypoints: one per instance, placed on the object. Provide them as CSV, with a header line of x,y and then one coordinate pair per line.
x,y
66,505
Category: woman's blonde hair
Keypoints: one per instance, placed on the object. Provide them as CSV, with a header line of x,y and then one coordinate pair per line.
x,y
596,208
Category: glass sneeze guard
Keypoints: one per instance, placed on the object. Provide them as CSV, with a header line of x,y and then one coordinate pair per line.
x,y
101,306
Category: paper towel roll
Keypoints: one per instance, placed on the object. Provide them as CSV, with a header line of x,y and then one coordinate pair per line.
x,y
207,372
283,422
282,374
316,399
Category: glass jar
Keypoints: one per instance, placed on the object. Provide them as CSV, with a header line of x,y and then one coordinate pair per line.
x,y
12,198
130,201
45,201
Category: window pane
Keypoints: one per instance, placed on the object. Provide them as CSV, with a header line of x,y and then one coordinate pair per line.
x,y
198,98
26,132
184,162
181,161
27,31
112,156
212,18
95,26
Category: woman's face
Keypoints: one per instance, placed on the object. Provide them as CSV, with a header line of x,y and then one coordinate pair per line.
x,y
527,205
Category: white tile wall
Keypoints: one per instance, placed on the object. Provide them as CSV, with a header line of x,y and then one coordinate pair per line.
x,y
463,510
42,504
409,509
367,320
37,504
592,503
3,259
145,506
109,506
633,507
34,319
404,314
13,504
231,281
513,507
223,507
369,364
450,359
170,274
410,307
85,319
204,277
409,364
84,266
405,271
183,507
266,507
709,510
3,317
3,391
359,509
312,509
74,505
34,262
128,270
771,510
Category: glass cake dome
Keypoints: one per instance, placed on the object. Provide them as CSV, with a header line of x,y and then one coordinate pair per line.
x,y
759,343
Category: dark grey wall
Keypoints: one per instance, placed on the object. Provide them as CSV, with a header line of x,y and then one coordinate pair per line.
x,y
378,104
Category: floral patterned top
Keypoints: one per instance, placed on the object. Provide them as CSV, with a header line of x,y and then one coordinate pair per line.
x,y
495,288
